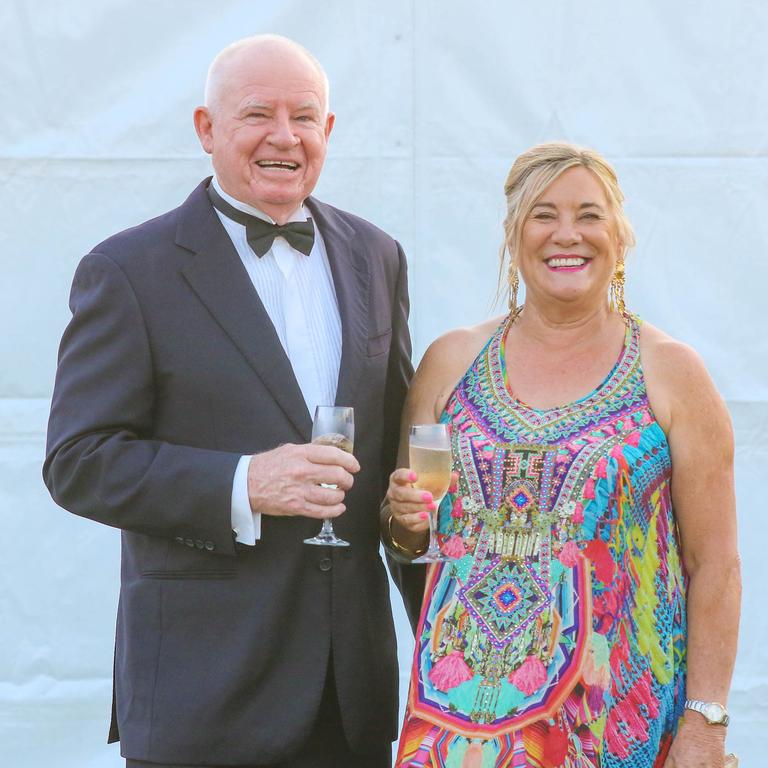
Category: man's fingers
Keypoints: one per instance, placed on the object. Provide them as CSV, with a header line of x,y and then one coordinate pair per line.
x,y
327,454
321,511
330,475
327,497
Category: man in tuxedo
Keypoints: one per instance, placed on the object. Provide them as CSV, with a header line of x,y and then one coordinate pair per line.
x,y
200,343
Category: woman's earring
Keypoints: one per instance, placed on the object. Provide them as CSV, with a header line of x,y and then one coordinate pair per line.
x,y
513,279
617,288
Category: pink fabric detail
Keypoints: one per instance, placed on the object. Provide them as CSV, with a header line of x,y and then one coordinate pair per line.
x,y
458,508
633,439
601,469
450,671
569,554
589,489
529,676
635,725
617,453
555,747
473,757
606,609
597,551
578,514
595,699
454,548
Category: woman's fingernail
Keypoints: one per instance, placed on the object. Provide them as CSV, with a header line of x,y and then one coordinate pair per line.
x,y
424,515
426,497
432,506
412,477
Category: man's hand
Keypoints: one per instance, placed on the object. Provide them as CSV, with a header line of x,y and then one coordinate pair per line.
x,y
286,480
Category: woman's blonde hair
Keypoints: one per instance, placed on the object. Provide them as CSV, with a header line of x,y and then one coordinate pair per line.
x,y
531,174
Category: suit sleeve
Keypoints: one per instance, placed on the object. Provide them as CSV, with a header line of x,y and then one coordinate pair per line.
x,y
102,461
410,579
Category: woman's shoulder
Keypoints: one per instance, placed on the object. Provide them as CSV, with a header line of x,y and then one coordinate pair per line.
x,y
459,347
676,378
448,357
663,353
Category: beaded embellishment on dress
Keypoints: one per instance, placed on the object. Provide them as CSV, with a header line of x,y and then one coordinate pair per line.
x,y
556,634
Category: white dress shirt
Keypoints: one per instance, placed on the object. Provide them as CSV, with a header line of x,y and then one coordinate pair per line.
x,y
298,294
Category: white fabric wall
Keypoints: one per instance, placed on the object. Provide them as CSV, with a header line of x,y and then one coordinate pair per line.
x,y
434,99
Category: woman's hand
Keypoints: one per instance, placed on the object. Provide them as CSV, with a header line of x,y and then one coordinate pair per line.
x,y
409,506
697,745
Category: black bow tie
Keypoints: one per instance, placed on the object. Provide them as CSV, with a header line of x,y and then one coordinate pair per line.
x,y
261,234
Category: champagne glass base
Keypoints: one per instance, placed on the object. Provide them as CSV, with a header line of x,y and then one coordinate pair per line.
x,y
326,540
431,556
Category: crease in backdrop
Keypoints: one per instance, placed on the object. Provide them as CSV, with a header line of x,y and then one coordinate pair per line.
x,y
433,102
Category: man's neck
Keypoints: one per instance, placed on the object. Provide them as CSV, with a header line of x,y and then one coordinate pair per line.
x,y
298,215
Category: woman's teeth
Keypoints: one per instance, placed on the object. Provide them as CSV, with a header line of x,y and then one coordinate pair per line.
x,y
572,261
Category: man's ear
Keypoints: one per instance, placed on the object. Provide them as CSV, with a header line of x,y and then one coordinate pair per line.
x,y
329,121
204,128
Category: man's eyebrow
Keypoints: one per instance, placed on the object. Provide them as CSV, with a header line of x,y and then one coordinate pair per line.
x,y
254,105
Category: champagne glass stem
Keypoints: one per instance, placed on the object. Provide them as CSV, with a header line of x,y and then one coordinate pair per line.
x,y
327,529
433,521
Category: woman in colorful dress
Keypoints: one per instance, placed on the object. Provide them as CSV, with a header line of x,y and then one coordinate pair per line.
x,y
588,612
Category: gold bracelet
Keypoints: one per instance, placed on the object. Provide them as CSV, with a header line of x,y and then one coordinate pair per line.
x,y
398,547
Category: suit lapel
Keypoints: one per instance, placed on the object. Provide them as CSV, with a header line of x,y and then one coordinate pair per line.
x,y
217,275
351,278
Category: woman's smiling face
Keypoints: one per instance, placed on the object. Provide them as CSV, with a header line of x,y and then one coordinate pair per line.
x,y
570,243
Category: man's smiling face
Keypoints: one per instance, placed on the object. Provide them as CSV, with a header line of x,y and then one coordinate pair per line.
x,y
266,127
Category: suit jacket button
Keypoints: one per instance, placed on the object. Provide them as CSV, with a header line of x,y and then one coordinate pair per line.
x,y
179,539
210,546
189,542
199,544
325,564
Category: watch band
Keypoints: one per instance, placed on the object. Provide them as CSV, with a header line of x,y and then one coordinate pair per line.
x,y
712,711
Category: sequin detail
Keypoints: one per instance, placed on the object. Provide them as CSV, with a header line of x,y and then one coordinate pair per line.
x,y
556,635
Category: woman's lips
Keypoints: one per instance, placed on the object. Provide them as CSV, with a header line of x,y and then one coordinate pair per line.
x,y
567,263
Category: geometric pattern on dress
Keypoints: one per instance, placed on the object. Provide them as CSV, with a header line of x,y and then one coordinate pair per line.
x,y
505,599
603,482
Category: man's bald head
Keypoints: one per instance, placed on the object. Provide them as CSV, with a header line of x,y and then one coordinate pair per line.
x,y
267,46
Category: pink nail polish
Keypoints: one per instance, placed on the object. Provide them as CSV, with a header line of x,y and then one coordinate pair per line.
x,y
426,497
424,515
432,506
412,477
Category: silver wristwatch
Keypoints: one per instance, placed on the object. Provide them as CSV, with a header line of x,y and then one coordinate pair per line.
x,y
714,713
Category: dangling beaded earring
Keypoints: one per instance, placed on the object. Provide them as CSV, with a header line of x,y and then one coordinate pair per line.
x,y
617,289
513,280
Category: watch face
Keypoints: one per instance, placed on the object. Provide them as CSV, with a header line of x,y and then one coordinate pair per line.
x,y
714,713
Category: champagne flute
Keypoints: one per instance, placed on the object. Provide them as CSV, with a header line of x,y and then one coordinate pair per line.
x,y
429,448
333,425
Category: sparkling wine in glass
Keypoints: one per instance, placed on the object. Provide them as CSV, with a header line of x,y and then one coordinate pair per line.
x,y
429,448
333,425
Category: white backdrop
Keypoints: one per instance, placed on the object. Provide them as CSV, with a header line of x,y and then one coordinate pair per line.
x,y
434,99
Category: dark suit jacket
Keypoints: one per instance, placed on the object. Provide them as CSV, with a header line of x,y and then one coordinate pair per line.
x,y
169,371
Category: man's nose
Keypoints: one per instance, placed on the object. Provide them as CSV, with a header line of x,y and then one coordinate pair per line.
x,y
282,135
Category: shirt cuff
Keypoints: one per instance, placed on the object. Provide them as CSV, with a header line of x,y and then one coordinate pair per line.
x,y
245,523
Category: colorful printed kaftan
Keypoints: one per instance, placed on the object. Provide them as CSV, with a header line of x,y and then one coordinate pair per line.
x,y
556,634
